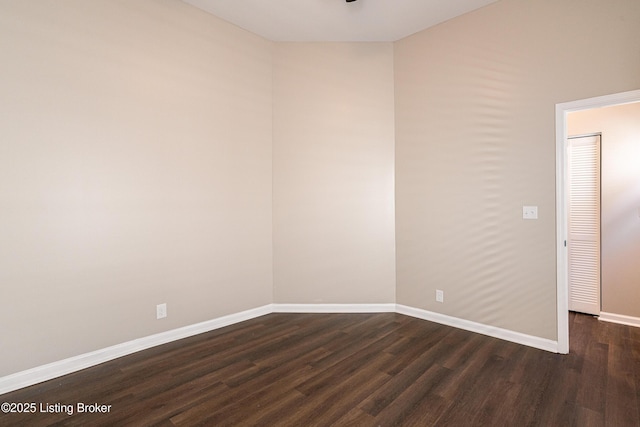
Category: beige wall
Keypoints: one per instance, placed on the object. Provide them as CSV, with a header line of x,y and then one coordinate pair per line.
x,y
620,208
333,173
135,169
475,141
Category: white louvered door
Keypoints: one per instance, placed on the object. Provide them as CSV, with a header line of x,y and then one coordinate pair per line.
x,y
583,242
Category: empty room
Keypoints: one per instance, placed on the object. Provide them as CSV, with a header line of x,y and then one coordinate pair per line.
x,y
317,212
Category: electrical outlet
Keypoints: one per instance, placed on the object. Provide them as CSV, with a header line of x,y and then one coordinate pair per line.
x,y
439,295
529,212
161,311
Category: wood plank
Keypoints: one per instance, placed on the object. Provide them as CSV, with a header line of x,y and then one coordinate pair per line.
x,y
355,370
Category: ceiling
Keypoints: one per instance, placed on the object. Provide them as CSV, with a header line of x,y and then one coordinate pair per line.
x,y
336,20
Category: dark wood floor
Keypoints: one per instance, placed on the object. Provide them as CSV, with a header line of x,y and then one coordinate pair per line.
x,y
355,370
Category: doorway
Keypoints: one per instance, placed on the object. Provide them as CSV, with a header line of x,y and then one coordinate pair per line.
x,y
562,262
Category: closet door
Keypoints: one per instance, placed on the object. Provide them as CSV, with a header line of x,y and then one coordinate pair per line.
x,y
583,242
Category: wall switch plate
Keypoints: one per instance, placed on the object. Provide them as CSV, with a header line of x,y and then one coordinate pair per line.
x,y
439,295
529,212
161,311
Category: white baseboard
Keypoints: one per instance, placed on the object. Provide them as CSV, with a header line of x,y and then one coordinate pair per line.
x,y
492,331
620,318
334,308
63,367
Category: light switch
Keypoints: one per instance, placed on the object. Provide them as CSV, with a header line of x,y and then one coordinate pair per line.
x,y
529,212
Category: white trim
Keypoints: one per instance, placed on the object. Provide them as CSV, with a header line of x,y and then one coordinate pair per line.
x,y
620,318
334,308
63,367
480,328
562,261
562,281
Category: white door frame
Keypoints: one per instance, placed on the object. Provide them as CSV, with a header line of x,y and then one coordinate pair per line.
x,y
562,262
